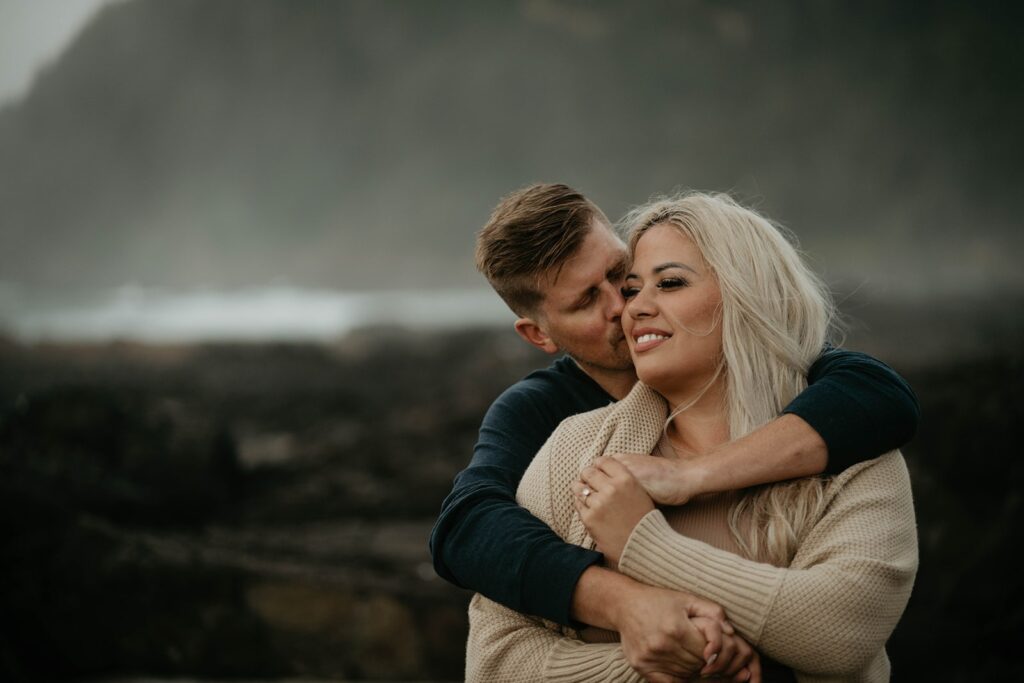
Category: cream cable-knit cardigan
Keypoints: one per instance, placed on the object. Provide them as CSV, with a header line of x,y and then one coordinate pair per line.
x,y
827,615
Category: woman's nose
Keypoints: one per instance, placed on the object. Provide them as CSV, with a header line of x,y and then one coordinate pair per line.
x,y
640,305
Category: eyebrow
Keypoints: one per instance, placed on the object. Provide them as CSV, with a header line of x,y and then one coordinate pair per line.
x,y
618,269
674,264
665,266
582,298
614,272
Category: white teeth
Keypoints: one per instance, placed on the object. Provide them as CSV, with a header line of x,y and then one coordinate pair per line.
x,y
649,338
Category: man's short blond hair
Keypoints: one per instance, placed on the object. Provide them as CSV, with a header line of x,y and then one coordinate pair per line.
x,y
530,232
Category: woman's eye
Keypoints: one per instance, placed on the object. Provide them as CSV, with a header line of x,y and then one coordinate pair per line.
x,y
629,292
672,283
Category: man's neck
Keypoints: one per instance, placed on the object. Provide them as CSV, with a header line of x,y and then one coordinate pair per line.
x,y
617,383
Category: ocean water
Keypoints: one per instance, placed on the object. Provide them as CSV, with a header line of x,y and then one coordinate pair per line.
x,y
272,313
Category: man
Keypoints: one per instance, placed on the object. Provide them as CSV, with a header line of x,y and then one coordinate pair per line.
x,y
552,256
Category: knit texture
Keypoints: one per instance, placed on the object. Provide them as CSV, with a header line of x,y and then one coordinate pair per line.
x,y
827,615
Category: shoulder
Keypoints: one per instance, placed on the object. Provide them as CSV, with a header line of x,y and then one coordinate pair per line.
x,y
564,450
632,425
869,511
879,487
839,362
544,488
884,475
552,393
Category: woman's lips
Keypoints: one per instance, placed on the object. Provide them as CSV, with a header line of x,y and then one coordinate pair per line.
x,y
648,339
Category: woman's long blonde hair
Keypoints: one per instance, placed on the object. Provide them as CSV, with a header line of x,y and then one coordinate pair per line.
x,y
775,316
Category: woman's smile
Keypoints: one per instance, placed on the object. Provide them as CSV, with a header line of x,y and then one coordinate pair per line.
x,y
648,338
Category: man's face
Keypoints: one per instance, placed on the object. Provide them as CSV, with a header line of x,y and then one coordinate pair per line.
x,y
583,304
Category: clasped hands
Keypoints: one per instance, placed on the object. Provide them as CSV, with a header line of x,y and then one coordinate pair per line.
x,y
667,636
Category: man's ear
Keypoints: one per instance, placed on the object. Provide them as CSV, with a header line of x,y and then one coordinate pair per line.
x,y
534,334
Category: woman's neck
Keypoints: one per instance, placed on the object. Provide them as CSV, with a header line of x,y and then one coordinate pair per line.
x,y
704,424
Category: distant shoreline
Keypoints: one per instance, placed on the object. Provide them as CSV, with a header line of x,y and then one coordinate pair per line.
x,y
257,314
903,330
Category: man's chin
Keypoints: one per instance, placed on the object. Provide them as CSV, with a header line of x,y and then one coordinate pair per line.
x,y
610,364
621,363
624,361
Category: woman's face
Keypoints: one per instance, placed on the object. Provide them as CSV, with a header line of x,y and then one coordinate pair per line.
x,y
672,318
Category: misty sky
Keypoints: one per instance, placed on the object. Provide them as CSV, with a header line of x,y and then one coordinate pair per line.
x,y
33,33
208,147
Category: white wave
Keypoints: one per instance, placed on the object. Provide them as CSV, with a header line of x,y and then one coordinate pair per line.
x,y
256,314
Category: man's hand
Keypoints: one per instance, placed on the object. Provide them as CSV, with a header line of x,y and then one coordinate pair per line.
x,y
785,448
667,482
668,635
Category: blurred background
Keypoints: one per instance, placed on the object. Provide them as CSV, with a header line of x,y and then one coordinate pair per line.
x,y
243,348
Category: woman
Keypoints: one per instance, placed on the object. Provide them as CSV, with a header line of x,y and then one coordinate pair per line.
x,y
723,319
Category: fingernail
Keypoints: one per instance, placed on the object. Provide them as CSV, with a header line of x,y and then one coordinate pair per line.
x,y
712,658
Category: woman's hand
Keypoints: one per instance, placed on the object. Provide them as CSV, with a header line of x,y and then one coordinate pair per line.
x,y
611,502
736,660
666,634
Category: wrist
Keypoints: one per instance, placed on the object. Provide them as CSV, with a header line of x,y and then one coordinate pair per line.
x,y
602,597
622,605
689,480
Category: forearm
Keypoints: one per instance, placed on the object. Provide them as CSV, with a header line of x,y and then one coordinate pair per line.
x,y
837,603
507,646
489,544
597,592
860,406
855,408
785,448
797,620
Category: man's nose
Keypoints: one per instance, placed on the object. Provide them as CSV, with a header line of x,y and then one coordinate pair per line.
x,y
616,303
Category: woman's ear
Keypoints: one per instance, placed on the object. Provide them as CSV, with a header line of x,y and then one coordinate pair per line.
x,y
534,334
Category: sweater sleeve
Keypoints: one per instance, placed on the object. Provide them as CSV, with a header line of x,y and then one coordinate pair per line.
x,y
505,645
510,647
831,611
860,406
483,540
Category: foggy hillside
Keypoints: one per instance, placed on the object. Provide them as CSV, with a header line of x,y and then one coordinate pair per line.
x,y
360,144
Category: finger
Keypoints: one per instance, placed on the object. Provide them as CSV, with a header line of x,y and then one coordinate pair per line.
x,y
755,669
594,478
580,491
720,662
699,607
613,468
742,654
623,457
582,510
742,676
688,646
655,677
712,632
725,659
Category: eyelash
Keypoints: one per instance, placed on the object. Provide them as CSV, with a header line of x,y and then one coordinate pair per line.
x,y
590,298
665,284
